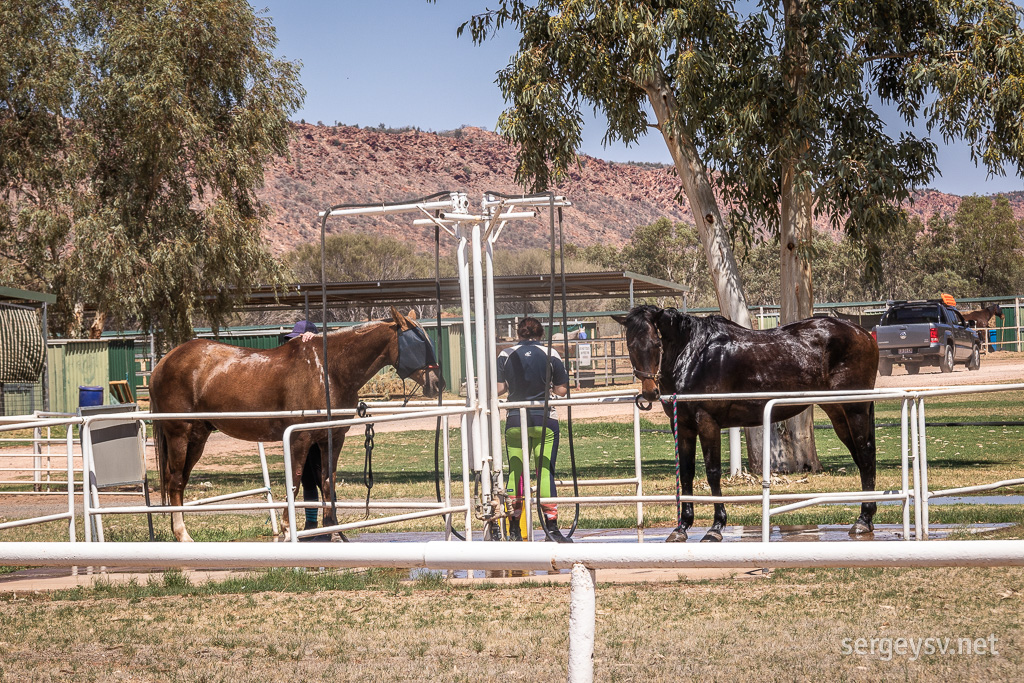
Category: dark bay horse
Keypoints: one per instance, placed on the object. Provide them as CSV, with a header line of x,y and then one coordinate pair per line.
x,y
202,376
985,316
675,353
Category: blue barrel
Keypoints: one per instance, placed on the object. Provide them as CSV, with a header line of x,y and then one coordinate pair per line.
x,y
90,396
992,339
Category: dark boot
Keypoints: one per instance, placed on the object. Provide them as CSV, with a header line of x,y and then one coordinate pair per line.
x,y
514,519
554,533
514,532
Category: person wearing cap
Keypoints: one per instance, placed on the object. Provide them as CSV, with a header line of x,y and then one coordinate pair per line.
x,y
523,372
312,469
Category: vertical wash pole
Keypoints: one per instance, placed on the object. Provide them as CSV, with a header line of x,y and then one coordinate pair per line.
x,y
470,429
494,426
481,425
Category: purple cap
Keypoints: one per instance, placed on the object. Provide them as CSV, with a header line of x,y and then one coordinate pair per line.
x,y
301,328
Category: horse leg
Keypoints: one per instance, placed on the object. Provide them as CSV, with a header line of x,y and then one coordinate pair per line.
x,y
184,447
328,468
300,444
855,426
687,454
711,445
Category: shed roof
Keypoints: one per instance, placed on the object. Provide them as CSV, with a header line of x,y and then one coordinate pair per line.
x,y
10,295
507,288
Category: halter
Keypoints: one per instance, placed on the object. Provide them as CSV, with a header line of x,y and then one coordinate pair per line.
x,y
640,374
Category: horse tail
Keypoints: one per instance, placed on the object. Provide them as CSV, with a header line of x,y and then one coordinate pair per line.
x,y
160,443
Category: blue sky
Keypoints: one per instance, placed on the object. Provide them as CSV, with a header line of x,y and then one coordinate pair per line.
x,y
398,62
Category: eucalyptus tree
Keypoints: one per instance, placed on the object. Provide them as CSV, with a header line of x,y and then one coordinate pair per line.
x,y
39,70
774,105
170,112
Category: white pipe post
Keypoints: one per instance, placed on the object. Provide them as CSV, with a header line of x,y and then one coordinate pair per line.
x,y
447,477
497,461
582,623
481,426
524,440
470,426
288,491
914,446
904,468
266,483
37,460
86,488
93,491
638,471
766,472
735,458
70,437
924,468
466,473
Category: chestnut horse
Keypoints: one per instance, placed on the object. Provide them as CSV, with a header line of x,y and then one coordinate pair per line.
x,y
985,316
202,376
675,353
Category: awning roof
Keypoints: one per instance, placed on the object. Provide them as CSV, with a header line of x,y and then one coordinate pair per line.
x,y
507,288
22,296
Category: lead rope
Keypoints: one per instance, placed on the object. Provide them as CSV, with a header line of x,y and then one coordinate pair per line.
x,y
362,411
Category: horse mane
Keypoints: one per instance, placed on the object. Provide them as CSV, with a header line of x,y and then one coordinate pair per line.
x,y
677,326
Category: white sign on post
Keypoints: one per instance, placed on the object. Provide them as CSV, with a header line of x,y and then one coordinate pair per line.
x,y
583,355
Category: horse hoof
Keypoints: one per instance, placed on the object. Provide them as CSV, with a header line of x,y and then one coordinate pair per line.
x,y
862,527
712,536
338,536
677,536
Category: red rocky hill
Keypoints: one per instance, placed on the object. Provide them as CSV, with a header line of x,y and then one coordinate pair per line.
x,y
342,164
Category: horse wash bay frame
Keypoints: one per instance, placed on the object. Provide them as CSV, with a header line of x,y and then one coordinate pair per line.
x,y
480,433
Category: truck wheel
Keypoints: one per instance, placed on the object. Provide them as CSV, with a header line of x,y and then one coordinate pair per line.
x,y
912,368
946,364
975,362
885,368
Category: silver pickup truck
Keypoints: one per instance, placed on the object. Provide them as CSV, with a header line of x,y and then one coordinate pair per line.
x,y
916,333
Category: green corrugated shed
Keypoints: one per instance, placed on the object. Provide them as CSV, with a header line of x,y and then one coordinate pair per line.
x,y
449,354
1006,330
250,341
121,362
75,363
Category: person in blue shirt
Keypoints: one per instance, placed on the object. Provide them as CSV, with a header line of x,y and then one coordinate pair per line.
x,y
311,470
523,372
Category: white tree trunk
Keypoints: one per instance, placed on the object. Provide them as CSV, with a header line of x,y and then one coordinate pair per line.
x,y
711,228
796,233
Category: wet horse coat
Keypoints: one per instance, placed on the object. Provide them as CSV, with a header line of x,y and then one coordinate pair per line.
x,y
676,353
204,376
